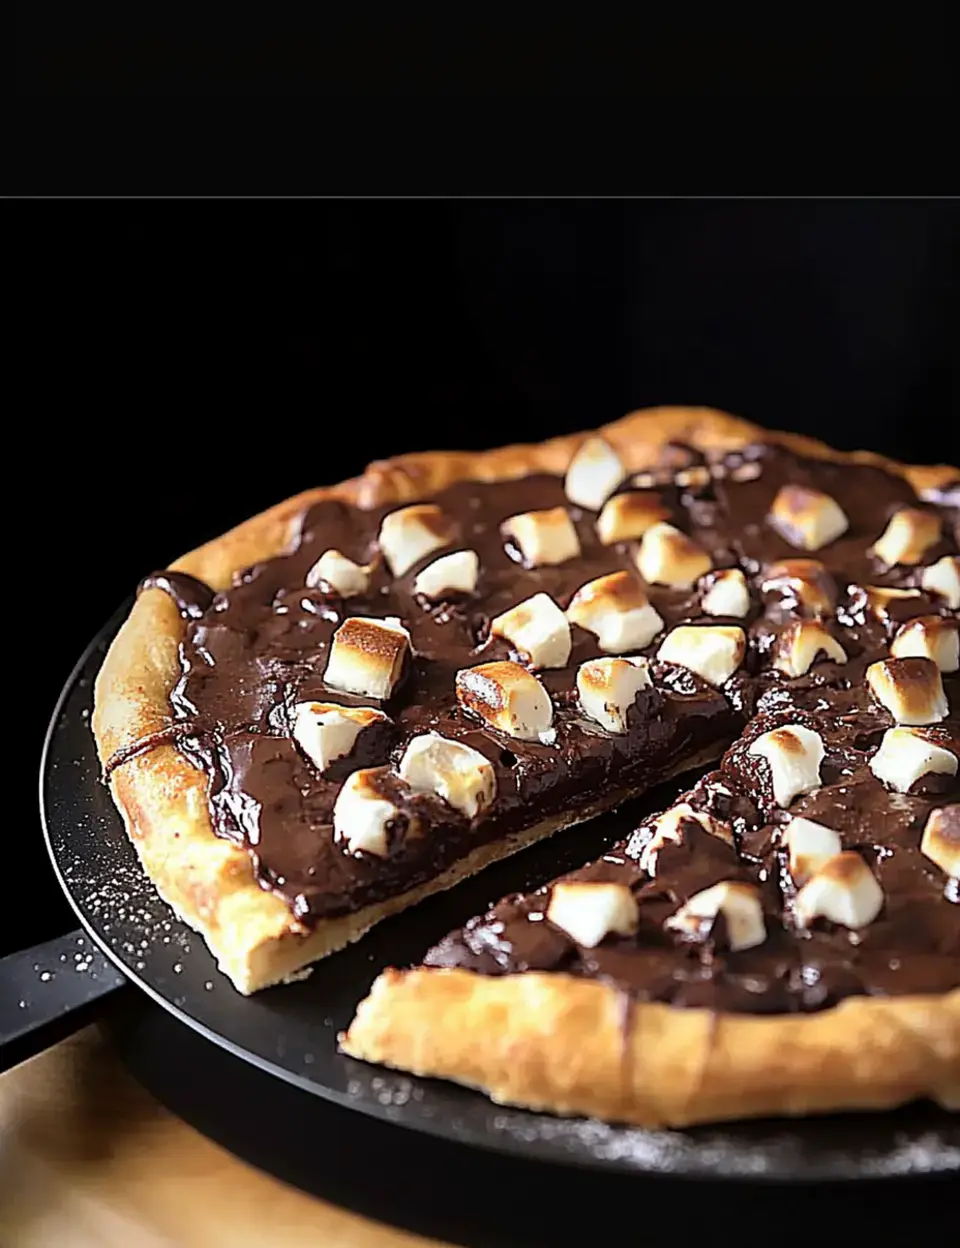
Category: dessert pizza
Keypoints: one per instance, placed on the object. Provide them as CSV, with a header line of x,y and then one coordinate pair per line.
x,y
373,690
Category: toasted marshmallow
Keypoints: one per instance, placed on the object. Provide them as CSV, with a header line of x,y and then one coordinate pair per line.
x,y
806,581
728,595
800,645
412,533
667,827
741,909
594,473
929,637
326,732
543,537
588,912
910,689
807,518
713,651
794,754
941,839
628,516
537,629
616,609
340,573
609,687
367,656
908,536
508,698
843,890
364,820
668,557
943,578
905,755
809,845
881,601
460,775
450,574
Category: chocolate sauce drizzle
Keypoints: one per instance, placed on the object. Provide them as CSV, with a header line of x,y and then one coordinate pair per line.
x,y
253,651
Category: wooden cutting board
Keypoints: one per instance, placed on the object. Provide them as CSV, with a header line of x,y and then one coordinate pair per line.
x,y
88,1159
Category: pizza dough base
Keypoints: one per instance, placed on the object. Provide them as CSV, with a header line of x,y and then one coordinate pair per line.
x,y
545,1041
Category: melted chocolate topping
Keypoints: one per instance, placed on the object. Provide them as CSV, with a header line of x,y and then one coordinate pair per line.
x,y
192,597
254,651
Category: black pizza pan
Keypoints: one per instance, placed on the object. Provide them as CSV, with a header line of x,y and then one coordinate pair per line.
x,y
156,985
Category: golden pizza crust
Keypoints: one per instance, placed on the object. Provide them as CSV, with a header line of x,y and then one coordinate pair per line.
x,y
163,798
575,1047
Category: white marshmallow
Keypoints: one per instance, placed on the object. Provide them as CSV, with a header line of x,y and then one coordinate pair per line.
x,y
609,687
628,516
943,578
908,536
807,518
910,689
941,839
740,906
713,651
326,732
450,574
801,644
728,595
594,473
508,698
343,575
544,538
616,609
667,827
931,637
794,754
537,629
806,582
458,774
905,755
367,656
589,912
810,845
362,816
844,890
668,557
412,533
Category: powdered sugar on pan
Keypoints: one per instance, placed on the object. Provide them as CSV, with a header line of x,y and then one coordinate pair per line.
x,y
722,1153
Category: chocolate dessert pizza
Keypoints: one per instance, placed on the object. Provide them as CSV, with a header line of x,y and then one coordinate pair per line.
x,y
373,690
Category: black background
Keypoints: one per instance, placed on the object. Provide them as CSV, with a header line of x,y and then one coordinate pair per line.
x,y
191,362
188,363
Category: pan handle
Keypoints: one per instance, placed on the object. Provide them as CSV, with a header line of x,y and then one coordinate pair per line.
x,y
50,991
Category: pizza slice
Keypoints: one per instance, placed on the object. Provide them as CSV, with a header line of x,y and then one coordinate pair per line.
x,y
735,957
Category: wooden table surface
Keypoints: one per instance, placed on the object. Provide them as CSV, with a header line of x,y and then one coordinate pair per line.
x,y
89,1159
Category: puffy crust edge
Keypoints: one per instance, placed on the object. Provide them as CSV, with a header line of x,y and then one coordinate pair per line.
x,y
576,1047
162,797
